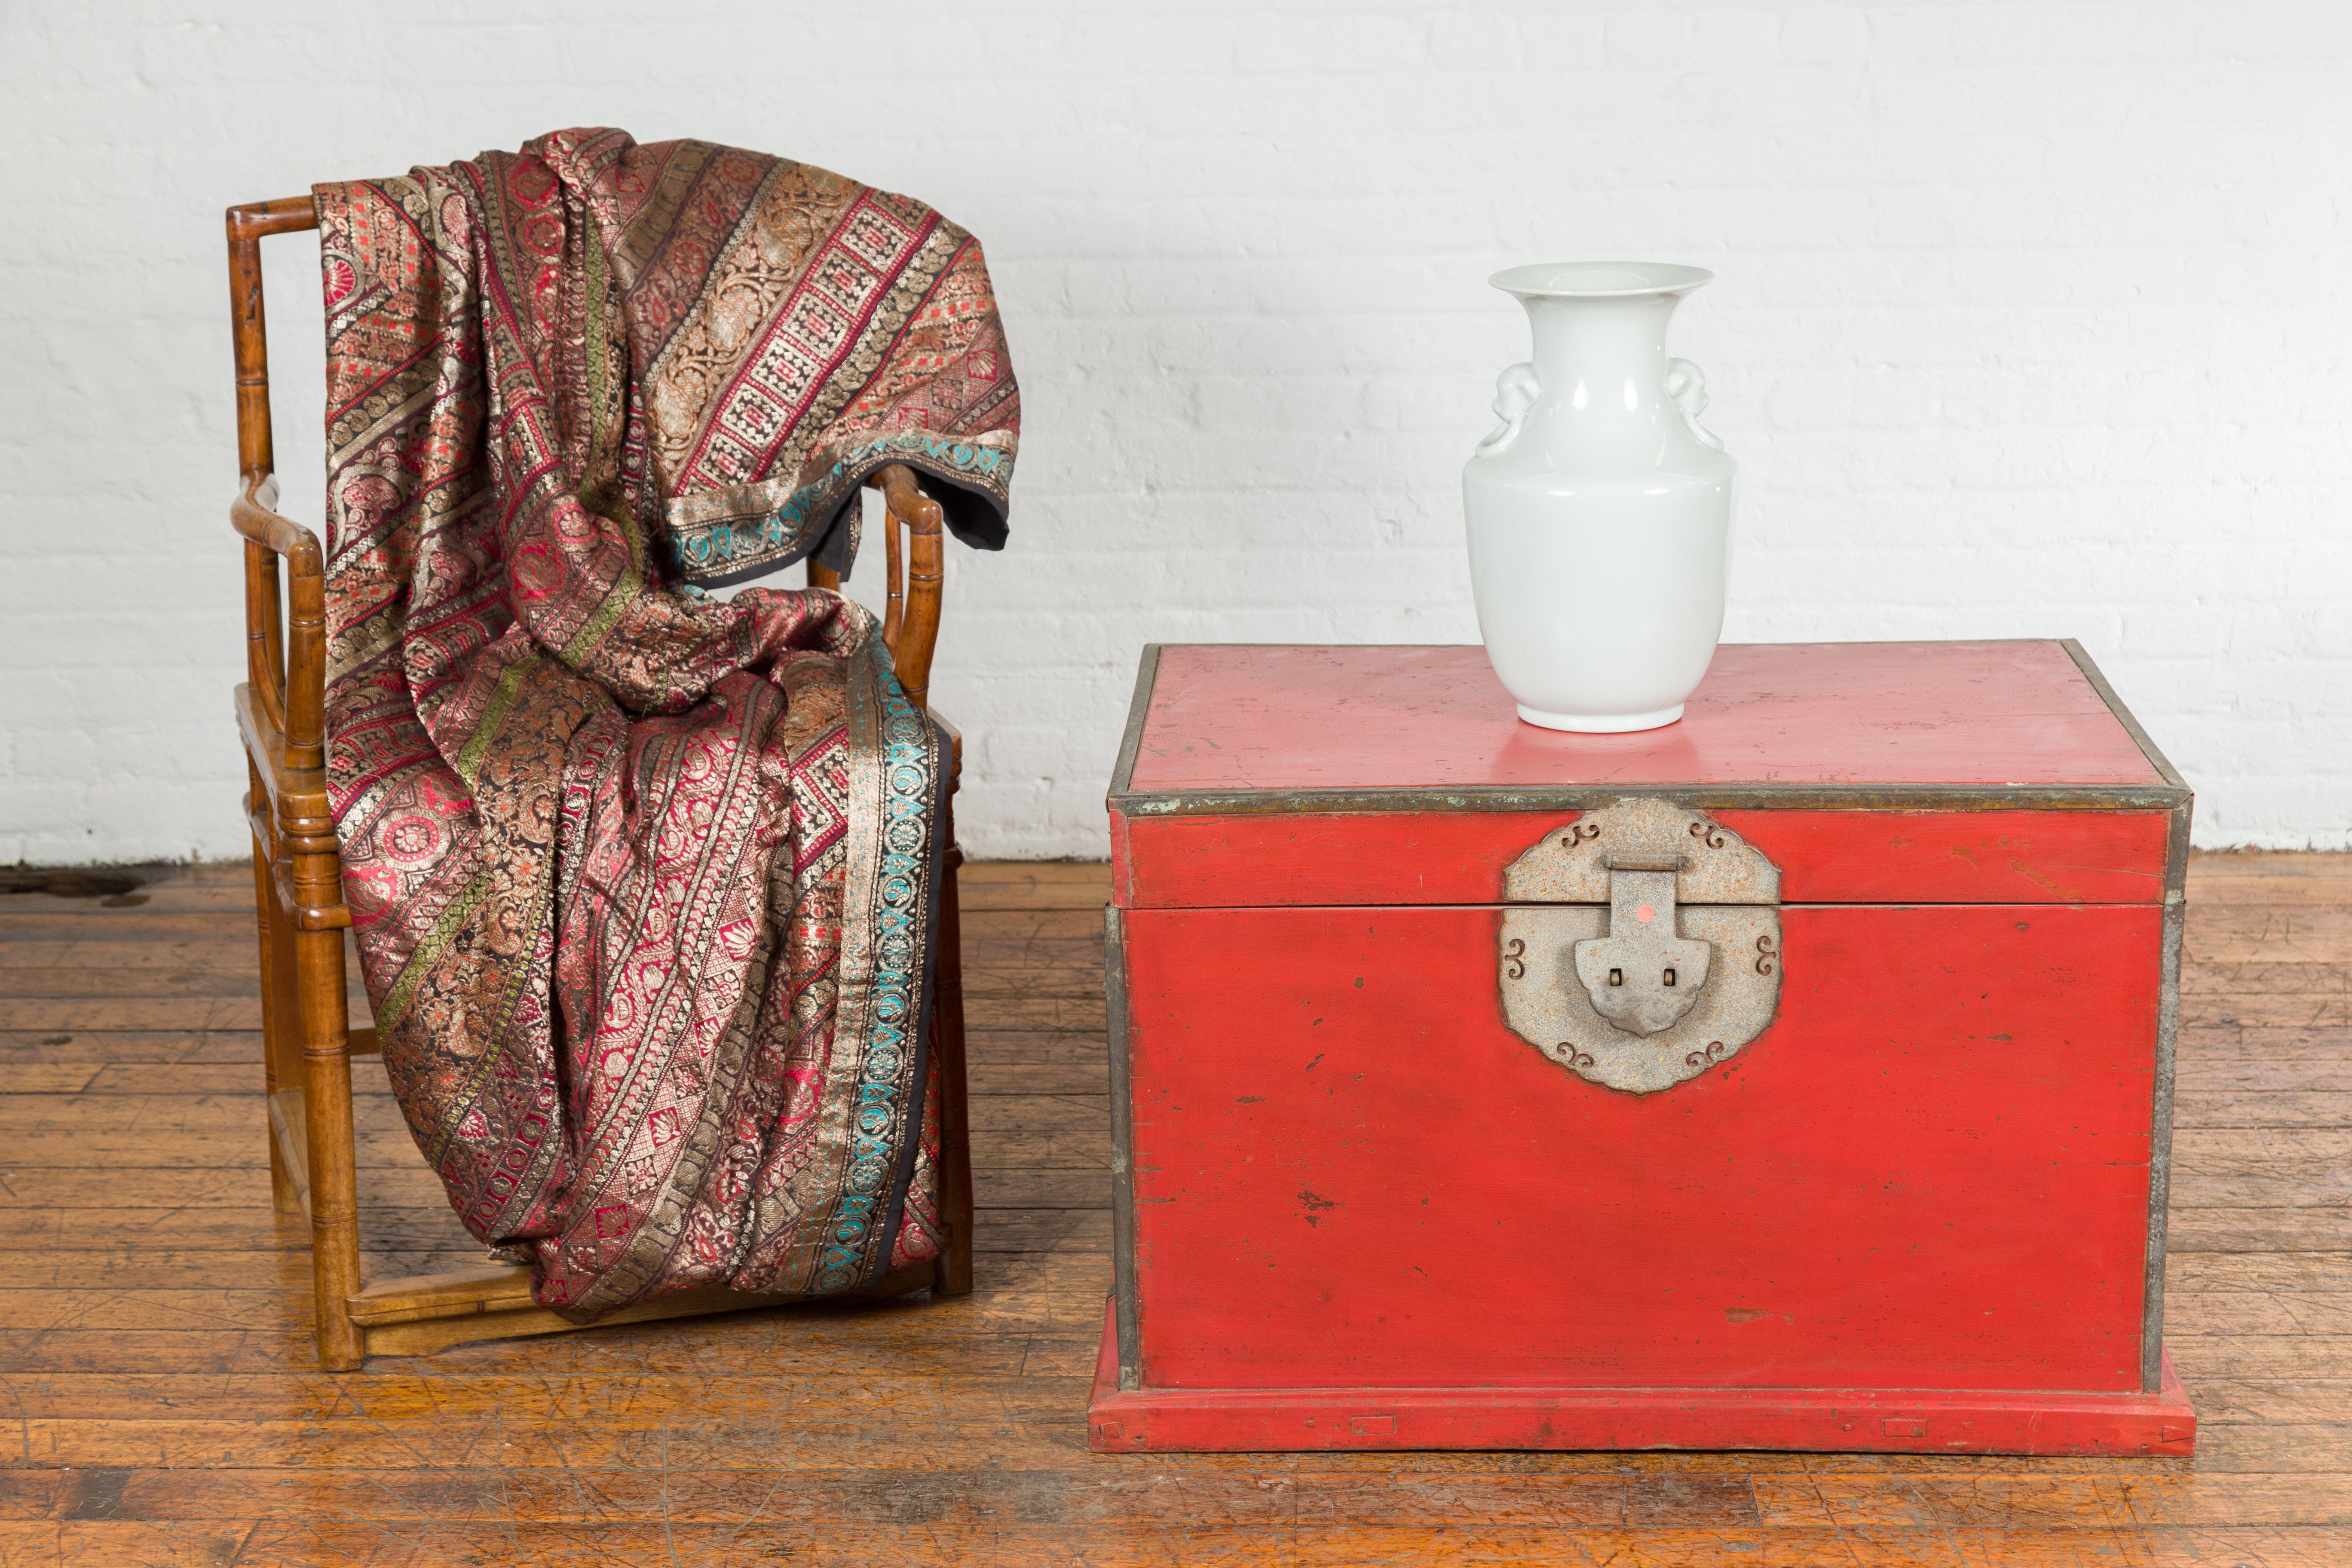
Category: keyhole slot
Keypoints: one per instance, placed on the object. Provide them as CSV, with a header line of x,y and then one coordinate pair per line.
x,y
1670,977
1616,978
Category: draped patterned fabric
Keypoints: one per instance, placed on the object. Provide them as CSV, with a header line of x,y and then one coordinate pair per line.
x,y
643,882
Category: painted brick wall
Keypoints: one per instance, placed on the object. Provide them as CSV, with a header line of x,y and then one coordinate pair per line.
x,y
2031,320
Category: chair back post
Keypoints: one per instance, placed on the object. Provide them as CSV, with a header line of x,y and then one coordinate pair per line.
x,y
265,654
918,626
250,325
284,676
913,577
298,873
894,580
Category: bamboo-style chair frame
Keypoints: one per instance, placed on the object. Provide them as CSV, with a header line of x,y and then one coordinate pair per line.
x,y
308,1040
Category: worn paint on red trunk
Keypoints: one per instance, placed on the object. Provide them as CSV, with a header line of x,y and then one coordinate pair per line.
x,y
1458,857
1913,1214
1930,1172
1274,718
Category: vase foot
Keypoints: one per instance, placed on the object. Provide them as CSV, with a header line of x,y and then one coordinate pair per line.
x,y
1602,724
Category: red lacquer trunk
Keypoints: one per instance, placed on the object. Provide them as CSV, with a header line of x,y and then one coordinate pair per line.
x,y
1911,1199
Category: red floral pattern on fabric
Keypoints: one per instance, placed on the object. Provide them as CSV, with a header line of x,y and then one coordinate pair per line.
x,y
633,872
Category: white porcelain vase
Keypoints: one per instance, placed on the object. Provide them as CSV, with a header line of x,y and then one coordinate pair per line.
x,y
1599,513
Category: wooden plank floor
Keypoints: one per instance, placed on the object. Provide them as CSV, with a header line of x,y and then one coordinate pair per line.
x,y
155,1347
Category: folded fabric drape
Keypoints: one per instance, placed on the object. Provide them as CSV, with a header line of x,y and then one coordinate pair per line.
x,y
643,882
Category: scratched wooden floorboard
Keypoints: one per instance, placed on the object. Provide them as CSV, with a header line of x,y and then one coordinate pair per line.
x,y
155,1354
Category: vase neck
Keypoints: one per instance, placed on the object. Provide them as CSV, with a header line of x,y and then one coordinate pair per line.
x,y
1605,357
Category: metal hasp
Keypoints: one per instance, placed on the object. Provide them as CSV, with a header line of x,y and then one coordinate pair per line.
x,y
1642,944
1645,974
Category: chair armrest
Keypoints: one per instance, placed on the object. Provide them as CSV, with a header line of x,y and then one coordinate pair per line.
x,y
282,708
289,681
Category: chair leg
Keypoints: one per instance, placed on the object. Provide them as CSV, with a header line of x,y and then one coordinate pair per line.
x,y
334,1178
281,1025
954,1276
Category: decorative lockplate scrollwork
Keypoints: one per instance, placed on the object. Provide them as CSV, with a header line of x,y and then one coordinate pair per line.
x,y
1645,946
1570,865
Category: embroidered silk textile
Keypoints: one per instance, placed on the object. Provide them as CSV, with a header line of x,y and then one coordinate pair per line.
x,y
644,883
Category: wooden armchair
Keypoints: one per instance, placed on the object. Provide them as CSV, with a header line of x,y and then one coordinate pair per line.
x,y
308,1041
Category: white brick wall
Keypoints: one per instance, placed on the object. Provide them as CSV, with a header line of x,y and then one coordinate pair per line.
x,y
2032,321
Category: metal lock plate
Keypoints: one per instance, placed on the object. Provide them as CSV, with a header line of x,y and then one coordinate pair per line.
x,y
1644,946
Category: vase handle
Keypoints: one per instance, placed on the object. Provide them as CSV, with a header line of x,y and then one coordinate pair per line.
x,y
1516,390
1686,385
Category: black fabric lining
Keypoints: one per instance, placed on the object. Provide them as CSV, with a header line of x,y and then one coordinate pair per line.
x,y
973,515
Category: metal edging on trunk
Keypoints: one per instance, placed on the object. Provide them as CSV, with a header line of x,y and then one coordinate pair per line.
x,y
2168,1021
2121,714
1697,797
1130,741
1126,799
2160,1135
1126,1311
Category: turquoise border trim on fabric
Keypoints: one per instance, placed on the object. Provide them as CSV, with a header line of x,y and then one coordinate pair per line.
x,y
885,1123
704,547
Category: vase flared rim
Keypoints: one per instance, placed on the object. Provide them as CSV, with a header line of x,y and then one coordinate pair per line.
x,y
1597,279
